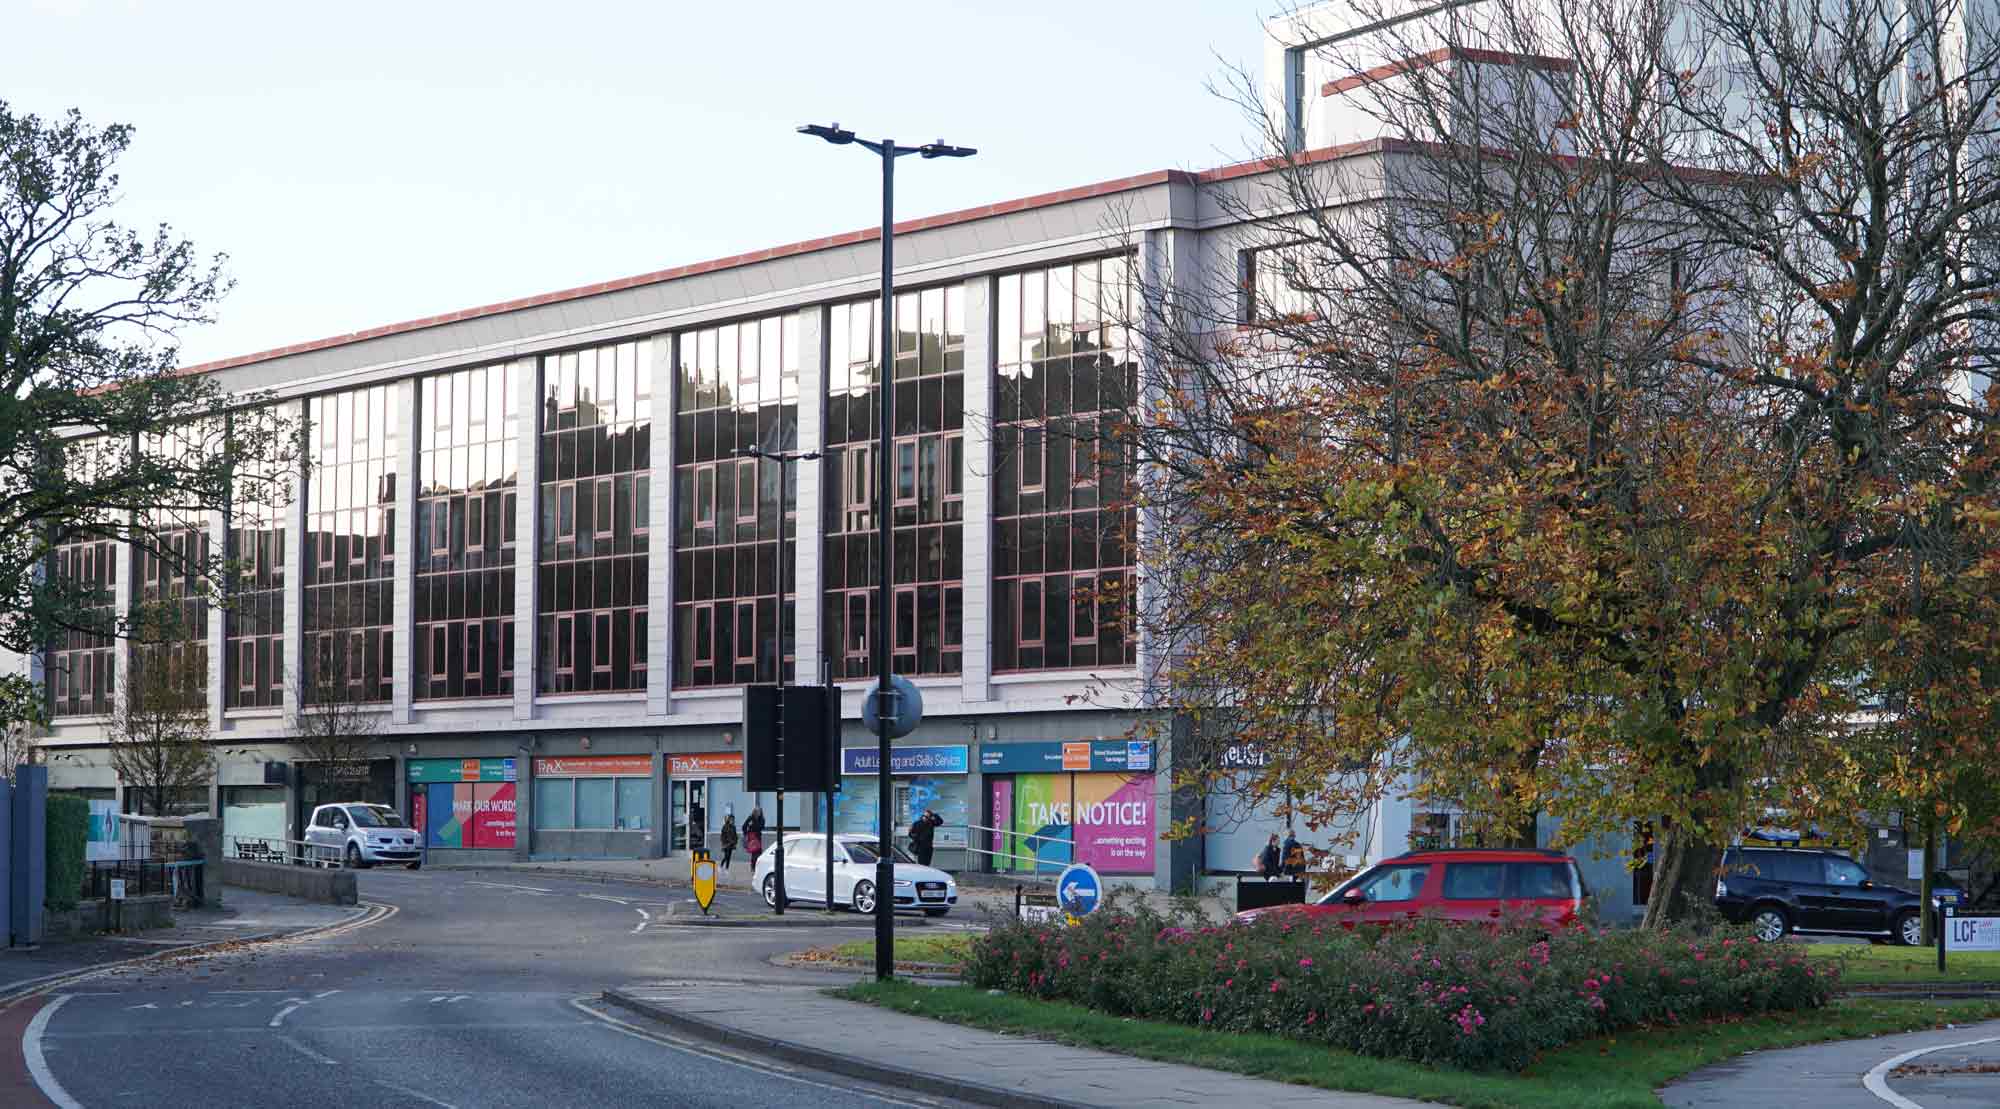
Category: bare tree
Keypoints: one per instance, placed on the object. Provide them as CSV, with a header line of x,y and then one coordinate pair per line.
x,y
336,725
159,733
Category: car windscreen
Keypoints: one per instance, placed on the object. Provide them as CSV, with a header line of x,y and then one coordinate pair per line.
x,y
865,852
377,818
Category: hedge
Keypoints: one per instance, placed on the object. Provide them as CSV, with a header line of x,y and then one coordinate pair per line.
x,y
68,832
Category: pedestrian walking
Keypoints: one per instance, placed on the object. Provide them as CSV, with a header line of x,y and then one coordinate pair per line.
x,y
1270,861
1295,856
728,835
753,834
923,836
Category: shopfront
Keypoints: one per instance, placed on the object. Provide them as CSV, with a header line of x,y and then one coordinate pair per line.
x,y
592,806
372,782
1087,800
932,778
463,804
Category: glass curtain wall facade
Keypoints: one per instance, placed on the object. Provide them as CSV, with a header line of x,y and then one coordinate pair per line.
x,y
254,625
350,550
595,491
467,467
170,561
80,662
737,387
1063,521
928,469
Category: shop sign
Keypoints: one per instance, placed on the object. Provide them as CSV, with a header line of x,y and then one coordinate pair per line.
x,y
1067,756
460,770
720,764
907,760
1971,933
1244,756
595,766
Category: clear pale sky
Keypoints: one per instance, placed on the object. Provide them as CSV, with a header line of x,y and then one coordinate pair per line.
x,y
364,163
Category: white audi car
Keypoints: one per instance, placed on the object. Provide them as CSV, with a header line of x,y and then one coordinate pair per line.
x,y
918,887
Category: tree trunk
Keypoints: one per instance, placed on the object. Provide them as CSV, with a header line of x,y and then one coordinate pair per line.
x,y
1522,836
1683,878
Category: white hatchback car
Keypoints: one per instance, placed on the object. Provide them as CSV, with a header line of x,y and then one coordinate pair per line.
x,y
918,887
362,834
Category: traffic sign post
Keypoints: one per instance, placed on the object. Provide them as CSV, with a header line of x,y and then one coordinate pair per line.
x,y
1079,890
702,876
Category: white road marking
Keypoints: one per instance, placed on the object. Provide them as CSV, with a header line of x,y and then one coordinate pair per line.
x,y
641,926
308,1052
38,1064
450,999
510,886
147,1005
324,994
601,897
407,1092
283,1013
1876,1080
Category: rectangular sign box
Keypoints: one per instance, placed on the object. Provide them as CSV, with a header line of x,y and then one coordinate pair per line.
x,y
1972,933
1040,908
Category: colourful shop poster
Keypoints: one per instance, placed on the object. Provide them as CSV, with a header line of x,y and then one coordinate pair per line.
x,y
476,815
1114,829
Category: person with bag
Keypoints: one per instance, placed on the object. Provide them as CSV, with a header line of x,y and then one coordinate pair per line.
x,y
1269,862
753,834
923,836
728,837
1295,856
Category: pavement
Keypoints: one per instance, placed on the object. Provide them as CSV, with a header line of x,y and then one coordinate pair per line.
x,y
243,915
1953,1068
801,1024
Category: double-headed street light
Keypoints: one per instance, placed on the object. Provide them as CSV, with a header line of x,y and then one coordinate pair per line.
x,y
885,865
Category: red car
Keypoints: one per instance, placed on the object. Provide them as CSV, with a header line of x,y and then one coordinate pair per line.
x,y
1463,884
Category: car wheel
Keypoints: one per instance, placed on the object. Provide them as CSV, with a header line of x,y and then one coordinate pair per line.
x,y
1909,928
417,865
1770,924
771,890
864,897
354,858
935,912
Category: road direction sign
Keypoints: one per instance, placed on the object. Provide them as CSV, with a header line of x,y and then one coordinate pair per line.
x,y
1079,890
703,879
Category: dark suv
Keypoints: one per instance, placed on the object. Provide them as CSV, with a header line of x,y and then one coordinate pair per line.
x,y
1780,890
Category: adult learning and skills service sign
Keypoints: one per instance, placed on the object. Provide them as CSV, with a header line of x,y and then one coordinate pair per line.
x,y
955,759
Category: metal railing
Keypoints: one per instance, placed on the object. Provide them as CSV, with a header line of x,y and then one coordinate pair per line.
x,y
973,838
277,849
179,878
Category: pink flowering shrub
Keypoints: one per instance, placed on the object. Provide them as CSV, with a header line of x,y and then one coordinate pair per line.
x,y
1477,997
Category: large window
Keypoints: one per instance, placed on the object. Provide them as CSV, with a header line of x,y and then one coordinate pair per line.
x,y
467,472
927,468
738,388
170,559
594,496
254,624
350,552
1063,521
80,658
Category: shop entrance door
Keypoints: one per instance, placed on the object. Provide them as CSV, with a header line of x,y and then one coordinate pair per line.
x,y
690,814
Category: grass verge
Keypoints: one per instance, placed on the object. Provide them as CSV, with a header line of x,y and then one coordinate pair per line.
x,y
1618,1072
942,950
1863,965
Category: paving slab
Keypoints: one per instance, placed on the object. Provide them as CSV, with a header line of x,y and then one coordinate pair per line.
x,y
804,1025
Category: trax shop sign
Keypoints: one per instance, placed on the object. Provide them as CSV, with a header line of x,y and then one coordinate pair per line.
x,y
1971,933
907,760
1067,756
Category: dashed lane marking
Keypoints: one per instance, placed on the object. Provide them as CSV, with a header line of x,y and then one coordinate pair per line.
x,y
307,1052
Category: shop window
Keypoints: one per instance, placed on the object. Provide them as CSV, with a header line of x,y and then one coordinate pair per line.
x,y
555,803
635,804
596,802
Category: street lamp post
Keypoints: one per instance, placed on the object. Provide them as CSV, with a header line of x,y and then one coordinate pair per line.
x,y
885,866
784,459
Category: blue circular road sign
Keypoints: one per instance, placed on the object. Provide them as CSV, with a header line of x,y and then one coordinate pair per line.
x,y
1079,890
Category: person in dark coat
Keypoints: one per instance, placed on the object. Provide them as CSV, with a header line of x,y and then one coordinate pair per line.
x,y
753,834
1270,861
923,836
1295,856
728,837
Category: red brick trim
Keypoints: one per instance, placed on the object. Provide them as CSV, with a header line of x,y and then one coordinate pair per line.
x,y
1449,53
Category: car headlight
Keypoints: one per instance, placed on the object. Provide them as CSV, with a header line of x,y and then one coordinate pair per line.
x,y
904,883
1721,888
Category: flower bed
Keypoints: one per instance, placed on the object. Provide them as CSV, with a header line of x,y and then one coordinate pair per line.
x,y
1486,997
